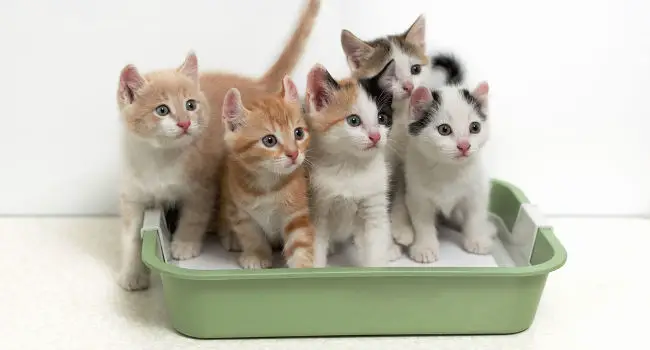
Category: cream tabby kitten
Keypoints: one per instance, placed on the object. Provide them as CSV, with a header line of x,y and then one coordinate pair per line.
x,y
174,145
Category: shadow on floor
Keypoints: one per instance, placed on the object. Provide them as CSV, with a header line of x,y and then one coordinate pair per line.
x,y
99,239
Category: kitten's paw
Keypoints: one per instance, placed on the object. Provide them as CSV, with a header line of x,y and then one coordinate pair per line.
x,y
394,252
478,244
133,280
402,234
183,250
251,261
424,252
301,261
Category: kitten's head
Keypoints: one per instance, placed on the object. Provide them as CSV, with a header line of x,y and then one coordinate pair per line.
x,y
408,49
165,108
450,122
352,116
271,135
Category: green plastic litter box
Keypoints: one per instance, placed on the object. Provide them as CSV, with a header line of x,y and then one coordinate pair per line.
x,y
462,293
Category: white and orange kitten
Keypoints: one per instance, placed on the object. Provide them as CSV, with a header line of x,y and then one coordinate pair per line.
x,y
350,121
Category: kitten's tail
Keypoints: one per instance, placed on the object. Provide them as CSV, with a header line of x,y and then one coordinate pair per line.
x,y
451,67
288,59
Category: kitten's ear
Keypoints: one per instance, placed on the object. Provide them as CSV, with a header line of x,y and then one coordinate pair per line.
x,y
130,84
416,34
481,92
320,86
190,67
356,50
420,100
289,90
233,111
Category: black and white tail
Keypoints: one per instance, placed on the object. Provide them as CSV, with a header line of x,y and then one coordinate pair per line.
x,y
450,66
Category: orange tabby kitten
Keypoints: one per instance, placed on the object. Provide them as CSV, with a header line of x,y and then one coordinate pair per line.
x,y
174,145
264,185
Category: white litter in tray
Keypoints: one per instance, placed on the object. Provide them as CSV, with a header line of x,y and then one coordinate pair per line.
x,y
214,257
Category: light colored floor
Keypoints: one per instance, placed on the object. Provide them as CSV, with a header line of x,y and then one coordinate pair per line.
x,y
57,292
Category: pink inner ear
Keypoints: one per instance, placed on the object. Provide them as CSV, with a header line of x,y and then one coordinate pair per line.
x,y
289,90
420,96
419,99
232,105
191,66
316,87
481,89
130,82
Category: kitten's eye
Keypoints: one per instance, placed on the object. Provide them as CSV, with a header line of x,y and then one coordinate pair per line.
x,y
444,129
475,127
190,105
299,133
269,140
162,110
353,120
416,69
383,119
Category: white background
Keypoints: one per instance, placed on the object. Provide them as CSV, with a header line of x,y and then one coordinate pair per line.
x,y
569,86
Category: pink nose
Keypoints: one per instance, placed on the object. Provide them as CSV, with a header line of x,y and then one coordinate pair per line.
x,y
374,137
463,146
293,155
408,87
184,125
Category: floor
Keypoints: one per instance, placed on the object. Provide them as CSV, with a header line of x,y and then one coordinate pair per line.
x,y
57,292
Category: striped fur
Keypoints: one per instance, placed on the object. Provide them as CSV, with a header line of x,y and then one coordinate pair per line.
x,y
263,191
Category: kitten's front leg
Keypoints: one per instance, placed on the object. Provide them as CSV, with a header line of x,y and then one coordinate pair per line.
x,y
192,224
478,231
133,275
425,247
256,250
376,244
322,244
298,234
401,227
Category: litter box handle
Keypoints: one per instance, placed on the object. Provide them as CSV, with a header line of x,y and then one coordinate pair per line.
x,y
154,220
524,231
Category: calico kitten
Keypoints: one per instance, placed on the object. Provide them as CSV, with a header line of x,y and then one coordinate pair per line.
x,y
413,67
174,145
448,128
264,187
350,121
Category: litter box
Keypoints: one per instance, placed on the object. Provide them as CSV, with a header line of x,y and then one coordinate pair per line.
x,y
460,294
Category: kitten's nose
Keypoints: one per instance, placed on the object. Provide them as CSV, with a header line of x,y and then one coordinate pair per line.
x,y
184,125
407,87
463,146
374,137
293,155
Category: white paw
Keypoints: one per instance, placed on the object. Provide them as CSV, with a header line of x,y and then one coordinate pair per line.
x,y
251,261
133,280
394,252
183,250
478,244
403,234
424,252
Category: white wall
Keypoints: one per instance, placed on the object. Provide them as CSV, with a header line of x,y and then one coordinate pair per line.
x,y
569,84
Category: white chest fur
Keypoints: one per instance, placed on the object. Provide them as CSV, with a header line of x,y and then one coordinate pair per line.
x,y
266,212
351,182
154,175
442,184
